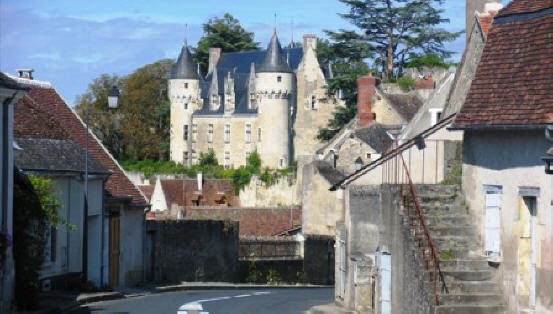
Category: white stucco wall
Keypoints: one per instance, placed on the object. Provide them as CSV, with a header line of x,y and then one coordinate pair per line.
x,y
512,159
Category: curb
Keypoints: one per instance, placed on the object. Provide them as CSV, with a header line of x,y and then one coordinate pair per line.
x,y
235,286
102,296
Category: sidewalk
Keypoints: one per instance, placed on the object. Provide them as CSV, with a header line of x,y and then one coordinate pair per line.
x,y
228,285
330,308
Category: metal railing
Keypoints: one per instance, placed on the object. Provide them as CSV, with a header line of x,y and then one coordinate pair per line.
x,y
431,260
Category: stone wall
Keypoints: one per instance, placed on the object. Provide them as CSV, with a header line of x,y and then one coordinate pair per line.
x,y
185,250
258,194
269,248
253,221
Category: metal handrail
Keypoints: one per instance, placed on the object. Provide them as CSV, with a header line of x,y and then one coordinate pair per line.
x,y
433,247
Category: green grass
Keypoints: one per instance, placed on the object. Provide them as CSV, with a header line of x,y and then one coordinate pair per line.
x,y
446,255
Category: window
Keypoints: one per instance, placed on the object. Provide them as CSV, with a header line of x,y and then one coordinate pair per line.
x,y
50,245
194,156
435,115
313,102
279,78
368,156
358,164
227,160
439,116
210,133
281,163
259,134
194,132
248,154
185,106
227,133
253,100
185,158
185,132
248,133
492,236
185,85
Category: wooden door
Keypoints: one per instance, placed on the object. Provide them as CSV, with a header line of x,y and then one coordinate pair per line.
x,y
114,251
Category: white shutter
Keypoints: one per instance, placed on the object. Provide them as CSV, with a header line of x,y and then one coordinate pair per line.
x,y
386,284
493,224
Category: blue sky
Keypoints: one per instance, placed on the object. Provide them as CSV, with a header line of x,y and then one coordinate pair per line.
x,y
71,42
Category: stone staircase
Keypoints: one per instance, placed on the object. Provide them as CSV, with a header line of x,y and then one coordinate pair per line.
x,y
467,274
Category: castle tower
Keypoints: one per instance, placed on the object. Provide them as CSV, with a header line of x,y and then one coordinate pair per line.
x,y
184,95
274,85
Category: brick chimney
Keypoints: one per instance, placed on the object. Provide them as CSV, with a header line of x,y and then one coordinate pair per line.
x,y
214,56
366,90
426,82
472,7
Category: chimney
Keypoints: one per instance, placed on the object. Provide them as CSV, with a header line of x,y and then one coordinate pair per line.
x,y
214,56
25,73
309,40
200,181
366,90
472,6
426,82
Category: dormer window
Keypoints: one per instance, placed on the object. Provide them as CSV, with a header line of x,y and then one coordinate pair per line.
x,y
279,78
185,85
358,164
435,115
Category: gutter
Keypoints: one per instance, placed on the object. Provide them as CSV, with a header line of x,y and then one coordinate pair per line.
x,y
504,127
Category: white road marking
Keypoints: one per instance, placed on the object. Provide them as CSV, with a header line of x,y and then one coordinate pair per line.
x,y
196,306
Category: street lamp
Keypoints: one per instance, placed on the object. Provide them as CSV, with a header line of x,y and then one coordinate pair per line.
x,y
113,97
113,103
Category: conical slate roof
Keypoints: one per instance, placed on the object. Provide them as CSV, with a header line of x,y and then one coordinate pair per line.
x,y
275,60
184,68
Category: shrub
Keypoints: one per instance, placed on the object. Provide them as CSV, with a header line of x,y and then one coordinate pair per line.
x,y
406,83
273,277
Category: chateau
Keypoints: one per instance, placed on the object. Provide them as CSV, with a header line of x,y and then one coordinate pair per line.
x,y
271,101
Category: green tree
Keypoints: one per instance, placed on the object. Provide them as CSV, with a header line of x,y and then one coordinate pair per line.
x,y
225,33
208,159
139,128
396,30
348,63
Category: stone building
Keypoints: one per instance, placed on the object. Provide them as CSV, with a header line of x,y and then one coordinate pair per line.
x,y
272,102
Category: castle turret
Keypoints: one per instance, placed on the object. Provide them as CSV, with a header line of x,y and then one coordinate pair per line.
x,y
274,85
184,95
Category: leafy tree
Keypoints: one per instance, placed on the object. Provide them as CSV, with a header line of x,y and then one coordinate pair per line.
x,y
396,30
347,59
429,60
208,159
225,33
139,128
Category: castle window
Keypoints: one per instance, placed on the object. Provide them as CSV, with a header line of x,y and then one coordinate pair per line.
x,y
185,158
248,133
227,133
194,156
227,160
248,154
210,133
194,132
313,102
185,85
185,132
185,106
279,78
435,115
281,162
259,135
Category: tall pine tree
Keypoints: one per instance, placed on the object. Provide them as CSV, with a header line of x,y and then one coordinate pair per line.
x,y
397,30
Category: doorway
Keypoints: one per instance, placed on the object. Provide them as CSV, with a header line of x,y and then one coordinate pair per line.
x,y
114,250
527,251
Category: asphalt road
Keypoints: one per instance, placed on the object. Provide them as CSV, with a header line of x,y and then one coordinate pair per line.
x,y
258,301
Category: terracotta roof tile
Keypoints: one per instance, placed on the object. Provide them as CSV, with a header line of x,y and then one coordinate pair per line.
x,y
525,6
48,101
184,192
512,85
147,190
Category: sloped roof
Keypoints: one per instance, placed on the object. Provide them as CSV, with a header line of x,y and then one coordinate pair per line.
x,y
31,121
375,136
8,82
406,105
147,190
512,85
184,192
525,6
48,101
274,61
328,172
38,154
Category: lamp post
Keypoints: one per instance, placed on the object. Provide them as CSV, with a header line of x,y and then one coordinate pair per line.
x,y
113,103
